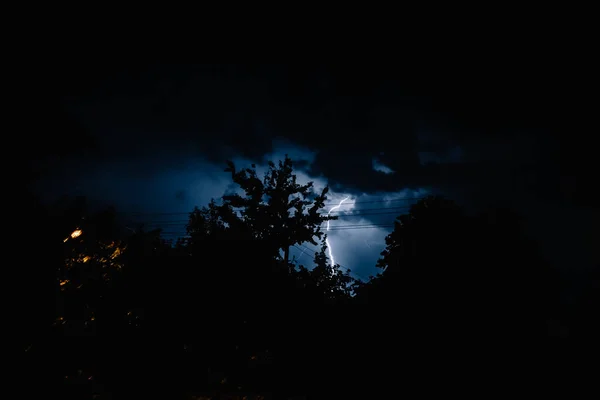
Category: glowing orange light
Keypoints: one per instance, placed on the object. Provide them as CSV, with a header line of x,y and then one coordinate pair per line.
x,y
76,233
64,282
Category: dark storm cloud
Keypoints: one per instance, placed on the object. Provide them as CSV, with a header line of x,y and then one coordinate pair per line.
x,y
351,114
479,136
354,123
220,112
211,111
223,112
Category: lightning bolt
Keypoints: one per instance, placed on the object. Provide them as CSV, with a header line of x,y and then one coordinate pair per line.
x,y
327,240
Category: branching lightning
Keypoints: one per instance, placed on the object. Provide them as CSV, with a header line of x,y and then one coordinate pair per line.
x,y
327,240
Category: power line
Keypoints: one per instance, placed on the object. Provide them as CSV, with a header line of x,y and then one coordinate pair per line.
x,y
376,208
315,252
341,266
358,214
326,204
368,226
332,228
169,223
185,222
342,214
379,201
338,228
341,228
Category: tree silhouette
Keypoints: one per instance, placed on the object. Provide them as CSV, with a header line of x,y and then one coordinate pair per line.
x,y
276,208
234,262
225,312
451,283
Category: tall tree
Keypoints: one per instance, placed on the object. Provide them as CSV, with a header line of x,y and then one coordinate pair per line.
x,y
275,209
462,279
423,234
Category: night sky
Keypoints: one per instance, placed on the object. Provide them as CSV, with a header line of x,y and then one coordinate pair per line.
x,y
152,140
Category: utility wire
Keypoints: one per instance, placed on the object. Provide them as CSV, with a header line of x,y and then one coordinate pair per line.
x,y
378,201
339,227
326,204
160,225
170,234
341,266
373,225
342,214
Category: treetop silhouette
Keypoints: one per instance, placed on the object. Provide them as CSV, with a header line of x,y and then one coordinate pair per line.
x,y
276,209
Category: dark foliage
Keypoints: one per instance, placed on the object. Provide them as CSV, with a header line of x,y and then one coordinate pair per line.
x,y
461,302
